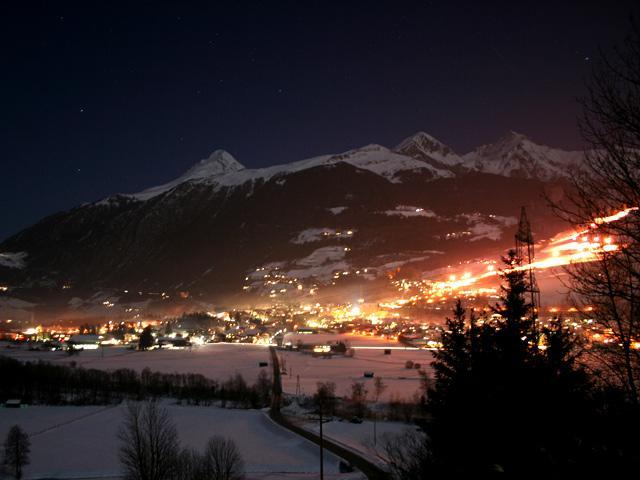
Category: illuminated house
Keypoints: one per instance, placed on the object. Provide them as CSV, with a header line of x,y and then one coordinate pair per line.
x,y
90,342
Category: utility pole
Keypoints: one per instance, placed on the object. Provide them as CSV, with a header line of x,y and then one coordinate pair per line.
x,y
375,433
321,445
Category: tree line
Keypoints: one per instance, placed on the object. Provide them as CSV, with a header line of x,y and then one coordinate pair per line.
x,y
48,384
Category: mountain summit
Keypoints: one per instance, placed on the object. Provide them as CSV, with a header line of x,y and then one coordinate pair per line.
x,y
420,156
515,155
424,147
219,163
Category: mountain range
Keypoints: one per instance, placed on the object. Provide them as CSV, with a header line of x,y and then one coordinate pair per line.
x,y
219,228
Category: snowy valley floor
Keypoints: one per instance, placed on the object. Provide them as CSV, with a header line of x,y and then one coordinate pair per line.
x,y
303,371
81,442
216,361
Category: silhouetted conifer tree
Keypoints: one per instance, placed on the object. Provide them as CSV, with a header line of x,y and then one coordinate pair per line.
x,y
16,451
502,403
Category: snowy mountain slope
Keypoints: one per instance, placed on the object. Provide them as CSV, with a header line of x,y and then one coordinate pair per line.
x,y
515,155
12,259
222,170
219,163
423,146
421,153
204,230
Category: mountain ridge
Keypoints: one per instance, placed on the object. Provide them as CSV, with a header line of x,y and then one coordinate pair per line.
x,y
371,208
513,154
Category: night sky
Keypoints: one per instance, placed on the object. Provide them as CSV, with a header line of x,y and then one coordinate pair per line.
x,y
120,97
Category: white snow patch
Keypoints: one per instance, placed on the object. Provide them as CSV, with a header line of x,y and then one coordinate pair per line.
x,y
321,272
310,235
265,269
316,234
13,259
407,211
491,227
400,263
75,302
321,263
337,210
322,256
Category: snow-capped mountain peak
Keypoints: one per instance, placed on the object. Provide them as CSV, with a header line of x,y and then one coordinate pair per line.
x,y
222,170
515,155
510,141
387,163
425,147
220,162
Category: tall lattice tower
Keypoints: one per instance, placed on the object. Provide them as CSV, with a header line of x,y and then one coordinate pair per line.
x,y
525,252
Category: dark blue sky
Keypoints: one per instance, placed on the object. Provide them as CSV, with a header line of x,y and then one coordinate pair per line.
x,y
122,96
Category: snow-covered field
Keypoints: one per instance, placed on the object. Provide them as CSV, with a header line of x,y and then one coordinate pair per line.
x,y
221,360
359,437
216,361
343,371
81,442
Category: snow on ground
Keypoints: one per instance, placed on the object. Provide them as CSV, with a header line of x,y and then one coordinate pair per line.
x,y
323,255
317,234
321,263
399,263
266,269
359,437
310,235
12,259
337,210
490,227
81,442
217,361
343,371
407,211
